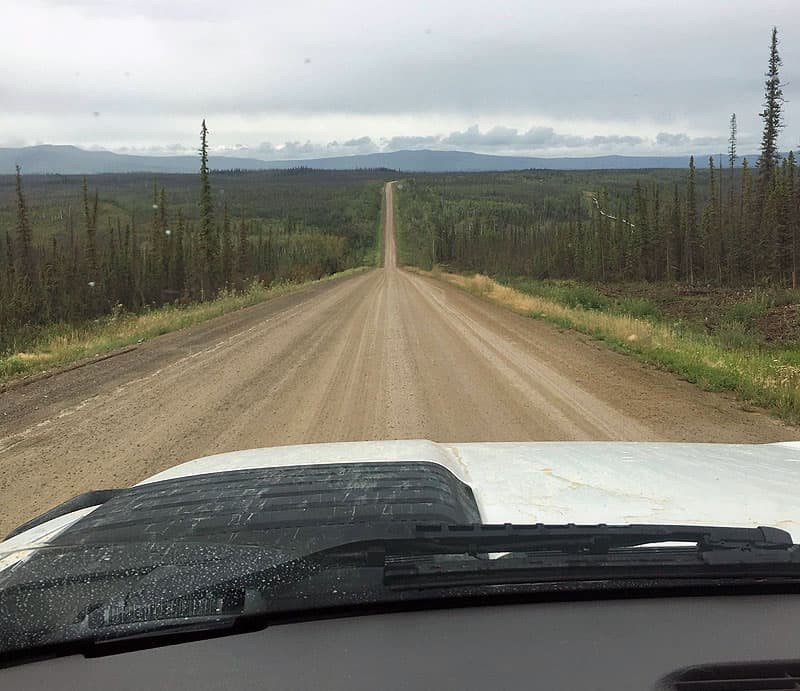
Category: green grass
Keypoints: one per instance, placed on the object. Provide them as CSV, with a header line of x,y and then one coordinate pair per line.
x,y
745,311
641,308
727,360
575,294
62,344
736,335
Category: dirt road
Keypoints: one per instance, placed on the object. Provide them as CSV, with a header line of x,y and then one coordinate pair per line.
x,y
384,354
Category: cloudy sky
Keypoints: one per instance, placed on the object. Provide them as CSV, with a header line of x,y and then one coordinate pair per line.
x,y
308,78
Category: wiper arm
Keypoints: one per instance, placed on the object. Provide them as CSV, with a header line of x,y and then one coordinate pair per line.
x,y
557,553
476,539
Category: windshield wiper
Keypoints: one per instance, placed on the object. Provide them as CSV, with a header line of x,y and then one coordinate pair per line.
x,y
474,539
567,552
410,553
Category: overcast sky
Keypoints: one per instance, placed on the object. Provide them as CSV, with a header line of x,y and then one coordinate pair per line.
x,y
308,78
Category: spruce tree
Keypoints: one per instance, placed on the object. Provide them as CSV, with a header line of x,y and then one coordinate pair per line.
x,y
243,256
10,269
25,289
24,244
177,262
792,216
748,224
92,284
227,249
711,238
691,225
90,225
772,114
633,247
730,215
165,234
207,240
672,238
151,252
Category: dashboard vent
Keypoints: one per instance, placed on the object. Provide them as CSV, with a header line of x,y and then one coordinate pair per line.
x,y
753,676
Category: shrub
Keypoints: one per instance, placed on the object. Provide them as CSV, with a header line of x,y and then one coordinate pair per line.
x,y
480,285
641,308
577,295
780,298
734,335
744,312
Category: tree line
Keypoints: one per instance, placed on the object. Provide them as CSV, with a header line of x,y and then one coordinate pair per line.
x,y
738,225
86,271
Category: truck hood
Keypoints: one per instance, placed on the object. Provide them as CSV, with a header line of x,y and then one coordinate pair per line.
x,y
548,482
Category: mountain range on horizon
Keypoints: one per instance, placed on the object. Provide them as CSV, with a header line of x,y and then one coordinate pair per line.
x,y
71,160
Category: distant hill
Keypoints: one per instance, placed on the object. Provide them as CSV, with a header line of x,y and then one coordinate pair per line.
x,y
68,160
72,160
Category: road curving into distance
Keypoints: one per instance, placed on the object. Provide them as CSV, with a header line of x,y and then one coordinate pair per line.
x,y
383,354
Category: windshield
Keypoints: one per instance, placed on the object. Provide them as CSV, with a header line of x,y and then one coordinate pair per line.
x,y
281,278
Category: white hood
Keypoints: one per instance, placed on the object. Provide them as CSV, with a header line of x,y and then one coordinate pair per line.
x,y
559,482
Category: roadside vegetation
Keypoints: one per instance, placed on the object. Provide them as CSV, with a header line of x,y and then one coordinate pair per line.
x,y
696,272
63,343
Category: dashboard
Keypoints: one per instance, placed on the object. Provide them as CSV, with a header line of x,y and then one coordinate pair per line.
x,y
603,644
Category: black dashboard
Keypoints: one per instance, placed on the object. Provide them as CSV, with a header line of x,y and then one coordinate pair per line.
x,y
605,644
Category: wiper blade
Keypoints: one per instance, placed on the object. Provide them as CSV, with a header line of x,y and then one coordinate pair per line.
x,y
640,570
568,553
476,539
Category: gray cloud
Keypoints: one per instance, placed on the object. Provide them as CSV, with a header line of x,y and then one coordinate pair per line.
x,y
614,139
156,150
683,142
264,148
297,149
612,74
673,139
497,136
360,142
361,145
290,149
410,142
534,139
